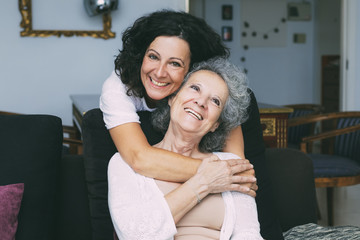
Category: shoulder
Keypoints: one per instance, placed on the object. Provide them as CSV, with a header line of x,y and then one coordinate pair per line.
x,y
113,82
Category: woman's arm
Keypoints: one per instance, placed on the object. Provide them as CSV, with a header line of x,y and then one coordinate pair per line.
x,y
235,142
160,164
212,177
149,161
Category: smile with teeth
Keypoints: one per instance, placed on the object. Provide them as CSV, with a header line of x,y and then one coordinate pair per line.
x,y
193,113
159,84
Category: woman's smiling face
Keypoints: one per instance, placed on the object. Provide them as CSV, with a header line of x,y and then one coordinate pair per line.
x,y
165,64
199,103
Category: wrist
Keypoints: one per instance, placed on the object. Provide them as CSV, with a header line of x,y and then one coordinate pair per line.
x,y
200,190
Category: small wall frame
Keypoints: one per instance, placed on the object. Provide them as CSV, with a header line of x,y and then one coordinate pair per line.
x,y
227,12
227,33
28,31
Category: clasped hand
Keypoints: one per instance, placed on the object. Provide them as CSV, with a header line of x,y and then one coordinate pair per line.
x,y
227,175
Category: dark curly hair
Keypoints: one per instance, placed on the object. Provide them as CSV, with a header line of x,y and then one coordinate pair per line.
x,y
204,43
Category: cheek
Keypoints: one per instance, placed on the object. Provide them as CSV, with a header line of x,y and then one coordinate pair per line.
x,y
179,77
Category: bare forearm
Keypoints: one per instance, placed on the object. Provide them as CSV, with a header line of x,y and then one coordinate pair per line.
x,y
165,165
149,161
184,198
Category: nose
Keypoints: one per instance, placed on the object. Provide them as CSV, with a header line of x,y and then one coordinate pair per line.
x,y
201,102
161,70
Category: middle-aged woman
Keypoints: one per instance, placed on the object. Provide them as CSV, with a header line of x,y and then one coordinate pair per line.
x,y
158,50
212,101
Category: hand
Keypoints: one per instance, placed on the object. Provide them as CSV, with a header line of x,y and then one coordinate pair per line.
x,y
251,187
219,176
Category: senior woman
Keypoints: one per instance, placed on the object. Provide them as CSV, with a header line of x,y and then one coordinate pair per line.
x,y
211,102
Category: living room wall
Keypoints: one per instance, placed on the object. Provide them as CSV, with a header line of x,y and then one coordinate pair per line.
x,y
37,74
282,74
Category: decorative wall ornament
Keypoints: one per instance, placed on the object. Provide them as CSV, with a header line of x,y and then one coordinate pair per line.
x,y
96,7
268,31
28,31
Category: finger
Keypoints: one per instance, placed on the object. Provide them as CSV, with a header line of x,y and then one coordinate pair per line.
x,y
233,162
239,168
243,189
254,187
249,172
244,179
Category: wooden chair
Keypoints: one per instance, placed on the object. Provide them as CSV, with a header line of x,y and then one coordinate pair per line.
x,y
340,165
296,133
71,140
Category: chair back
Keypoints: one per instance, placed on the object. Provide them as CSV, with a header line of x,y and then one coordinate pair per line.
x,y
348,145
296,133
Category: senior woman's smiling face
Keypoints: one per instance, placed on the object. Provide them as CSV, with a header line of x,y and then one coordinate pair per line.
x,y
199,103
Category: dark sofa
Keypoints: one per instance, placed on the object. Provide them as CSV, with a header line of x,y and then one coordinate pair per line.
x,y
54,203
65,197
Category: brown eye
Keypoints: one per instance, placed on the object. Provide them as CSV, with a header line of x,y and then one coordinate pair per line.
x,y
175,64
153,57
196,88
216,101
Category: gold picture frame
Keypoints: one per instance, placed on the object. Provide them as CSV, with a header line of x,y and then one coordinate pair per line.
x,y
28,31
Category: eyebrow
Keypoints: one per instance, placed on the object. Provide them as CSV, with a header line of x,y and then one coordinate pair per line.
x,y
150,49
201,85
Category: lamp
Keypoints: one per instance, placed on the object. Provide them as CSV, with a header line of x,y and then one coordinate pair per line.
x,y
95,7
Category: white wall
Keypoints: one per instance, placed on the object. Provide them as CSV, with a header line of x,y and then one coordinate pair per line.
x,y
37,75
278,75
350,74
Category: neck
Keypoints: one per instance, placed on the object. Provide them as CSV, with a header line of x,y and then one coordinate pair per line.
x,y
180,142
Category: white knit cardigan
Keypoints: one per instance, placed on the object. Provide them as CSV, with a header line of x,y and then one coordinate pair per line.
x,y
139,210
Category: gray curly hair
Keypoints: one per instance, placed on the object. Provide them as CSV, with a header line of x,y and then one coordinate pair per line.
x,y
235,109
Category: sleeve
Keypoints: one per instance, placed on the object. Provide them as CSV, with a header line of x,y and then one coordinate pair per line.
x,y
118,108
137,207
246,224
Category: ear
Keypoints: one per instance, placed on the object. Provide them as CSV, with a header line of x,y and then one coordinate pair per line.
x,y
171,100
214,127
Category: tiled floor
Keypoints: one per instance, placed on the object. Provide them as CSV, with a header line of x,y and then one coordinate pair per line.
x,y
346,206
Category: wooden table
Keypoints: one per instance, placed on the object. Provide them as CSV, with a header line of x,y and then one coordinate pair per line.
x,y
274,121
273,118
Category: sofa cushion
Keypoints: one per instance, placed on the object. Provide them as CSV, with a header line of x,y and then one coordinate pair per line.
x,y
10,200
30,152
292,176
73,214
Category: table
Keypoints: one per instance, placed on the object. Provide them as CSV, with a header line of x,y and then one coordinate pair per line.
x,y
273,118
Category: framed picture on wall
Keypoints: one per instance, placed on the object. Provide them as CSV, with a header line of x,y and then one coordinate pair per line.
x,y
227,12
226,33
